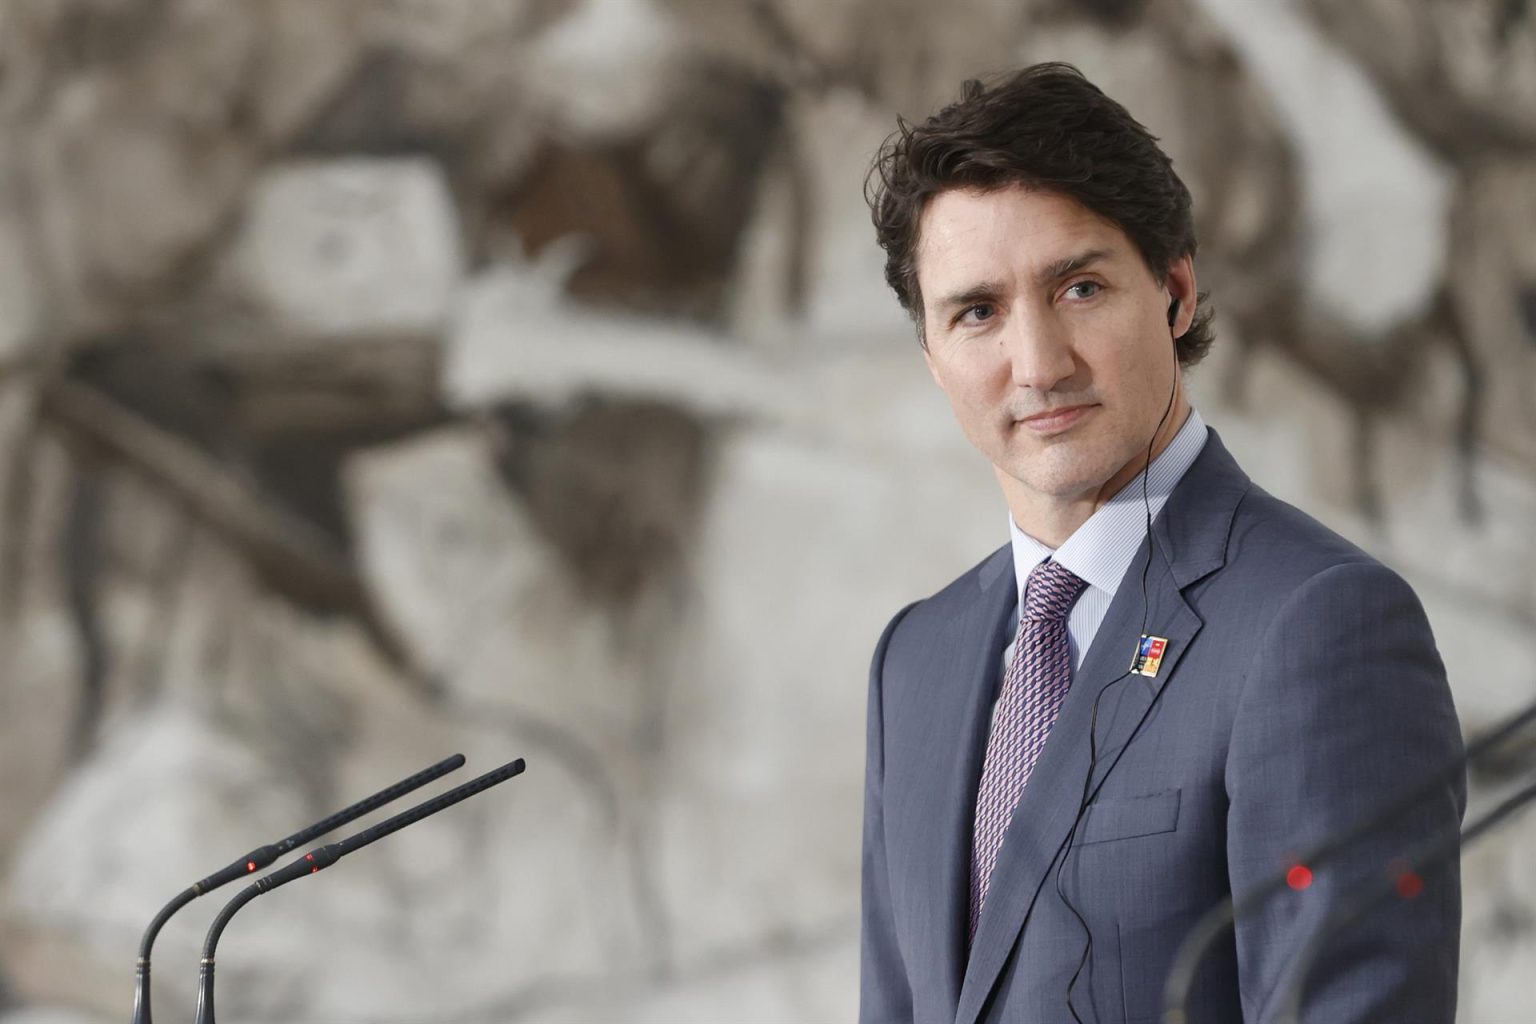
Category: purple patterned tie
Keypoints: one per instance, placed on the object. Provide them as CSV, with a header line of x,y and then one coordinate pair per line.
x,y
1032,693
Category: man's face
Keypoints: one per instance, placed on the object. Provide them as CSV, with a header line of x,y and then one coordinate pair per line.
x,y
1050,337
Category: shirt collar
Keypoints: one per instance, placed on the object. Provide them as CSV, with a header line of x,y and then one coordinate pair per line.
x,y
1100,551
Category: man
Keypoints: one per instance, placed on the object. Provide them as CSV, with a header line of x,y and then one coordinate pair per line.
x,y
1042,827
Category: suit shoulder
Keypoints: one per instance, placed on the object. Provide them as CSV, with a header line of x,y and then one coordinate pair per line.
x,y
924,617
1277,548
964,590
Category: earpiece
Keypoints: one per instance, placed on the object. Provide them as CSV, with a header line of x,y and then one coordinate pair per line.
x,y
1173,312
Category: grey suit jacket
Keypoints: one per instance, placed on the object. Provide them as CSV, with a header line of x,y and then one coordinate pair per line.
x,y
1300,691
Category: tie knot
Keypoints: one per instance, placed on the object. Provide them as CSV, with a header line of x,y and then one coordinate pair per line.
x,y
1050,591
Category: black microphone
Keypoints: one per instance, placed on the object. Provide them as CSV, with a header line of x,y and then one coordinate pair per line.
x,y
1404,879
323,857
262,857
1202,937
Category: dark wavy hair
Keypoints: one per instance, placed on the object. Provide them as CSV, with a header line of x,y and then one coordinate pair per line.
x,y
1048,128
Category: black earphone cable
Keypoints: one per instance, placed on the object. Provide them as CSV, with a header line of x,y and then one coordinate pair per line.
x,y
1090,791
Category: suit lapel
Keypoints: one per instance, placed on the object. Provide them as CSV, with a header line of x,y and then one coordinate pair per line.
x,y
1124,698
966,659
1200,513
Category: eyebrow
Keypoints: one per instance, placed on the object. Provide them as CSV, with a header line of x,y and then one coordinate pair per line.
x,y
989,290
1069,265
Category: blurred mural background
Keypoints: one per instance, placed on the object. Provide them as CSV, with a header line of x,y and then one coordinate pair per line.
x,y
383,378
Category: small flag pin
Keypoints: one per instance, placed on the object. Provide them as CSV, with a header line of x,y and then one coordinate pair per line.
x,y
1149,655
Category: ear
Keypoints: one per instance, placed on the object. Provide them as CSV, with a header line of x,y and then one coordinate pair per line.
x,y
1181,286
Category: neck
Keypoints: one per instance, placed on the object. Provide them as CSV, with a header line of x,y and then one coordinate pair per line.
x,y
1051,519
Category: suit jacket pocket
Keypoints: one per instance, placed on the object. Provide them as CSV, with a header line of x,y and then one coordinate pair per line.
x,y
1127,817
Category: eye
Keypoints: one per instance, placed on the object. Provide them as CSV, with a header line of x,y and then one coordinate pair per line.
x,y
1084,289
980,312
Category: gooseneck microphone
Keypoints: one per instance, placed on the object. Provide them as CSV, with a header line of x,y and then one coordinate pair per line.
x,y
263,856
323,857
1402,880
1203,936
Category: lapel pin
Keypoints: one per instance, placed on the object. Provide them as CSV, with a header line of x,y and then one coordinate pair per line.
x,y
1149,655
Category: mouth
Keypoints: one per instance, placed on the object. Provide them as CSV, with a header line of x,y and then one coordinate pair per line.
x,y
1055,421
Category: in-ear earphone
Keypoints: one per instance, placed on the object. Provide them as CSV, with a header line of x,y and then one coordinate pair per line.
x,y
1173,312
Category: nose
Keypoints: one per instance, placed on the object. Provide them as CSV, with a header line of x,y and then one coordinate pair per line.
x,y
1038,351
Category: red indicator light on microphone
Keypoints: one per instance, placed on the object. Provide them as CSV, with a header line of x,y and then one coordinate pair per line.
x,y
250,865
1299,877
1409,885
